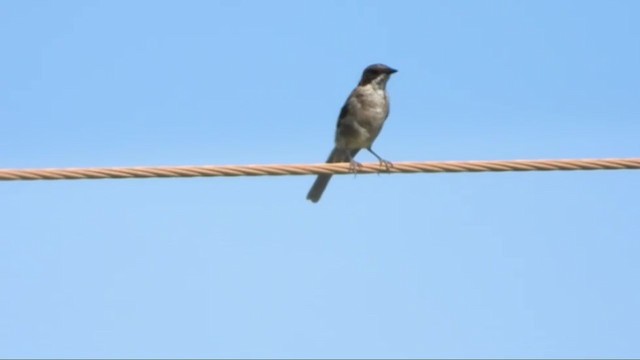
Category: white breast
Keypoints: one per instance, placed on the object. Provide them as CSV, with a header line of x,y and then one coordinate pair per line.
x,y
373,102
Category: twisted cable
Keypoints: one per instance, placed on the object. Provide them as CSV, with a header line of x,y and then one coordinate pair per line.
x,y
314,169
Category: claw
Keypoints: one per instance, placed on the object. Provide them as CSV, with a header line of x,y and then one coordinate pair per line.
x,y
388,165
354,166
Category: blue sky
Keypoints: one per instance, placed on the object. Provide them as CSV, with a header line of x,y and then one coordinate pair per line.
x,y
446,265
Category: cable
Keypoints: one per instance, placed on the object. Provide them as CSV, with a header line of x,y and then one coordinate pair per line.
x,y
339,168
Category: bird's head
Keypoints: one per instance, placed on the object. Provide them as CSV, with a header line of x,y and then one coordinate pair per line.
x,y
378,74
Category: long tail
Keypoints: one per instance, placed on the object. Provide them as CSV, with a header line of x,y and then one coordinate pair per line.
x,y
323,180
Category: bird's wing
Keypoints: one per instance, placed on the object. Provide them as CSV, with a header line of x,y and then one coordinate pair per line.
x,y
344,112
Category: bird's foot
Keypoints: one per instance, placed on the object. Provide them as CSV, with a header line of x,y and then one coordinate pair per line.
x,y
354,166
388,165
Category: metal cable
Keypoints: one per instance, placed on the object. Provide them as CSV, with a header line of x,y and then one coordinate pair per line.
x,y
339,168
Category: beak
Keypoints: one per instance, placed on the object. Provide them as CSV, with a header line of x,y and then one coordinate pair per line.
x,y
392,70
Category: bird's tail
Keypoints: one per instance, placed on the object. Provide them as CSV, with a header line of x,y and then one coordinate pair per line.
x,y
322,181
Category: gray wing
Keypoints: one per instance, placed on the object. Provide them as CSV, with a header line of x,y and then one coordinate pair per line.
x,y
344,112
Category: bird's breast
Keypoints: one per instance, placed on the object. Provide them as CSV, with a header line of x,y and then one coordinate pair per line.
x,y
367,110
373,104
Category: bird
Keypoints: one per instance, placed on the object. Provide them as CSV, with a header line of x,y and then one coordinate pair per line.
x,y
359,123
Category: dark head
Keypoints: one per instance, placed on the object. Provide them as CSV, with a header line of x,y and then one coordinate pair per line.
x,y
378,73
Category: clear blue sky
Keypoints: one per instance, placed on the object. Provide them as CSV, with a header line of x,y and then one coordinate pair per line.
x,y
448,265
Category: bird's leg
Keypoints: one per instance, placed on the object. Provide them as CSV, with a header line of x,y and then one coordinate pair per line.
x,y
387,164
353,165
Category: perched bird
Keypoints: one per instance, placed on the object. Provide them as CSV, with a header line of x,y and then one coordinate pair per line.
x,y
359,123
